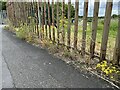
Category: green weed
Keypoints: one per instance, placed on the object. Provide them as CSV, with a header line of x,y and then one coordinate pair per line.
x,y
6,28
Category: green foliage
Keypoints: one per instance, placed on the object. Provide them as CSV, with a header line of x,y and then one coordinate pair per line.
x,y
6,27
25,32
65,21
21,32
30,37
60,10
114,16
3,5
53,48
114,25
100,25
102,22
67,53
89,20
31,24
72,9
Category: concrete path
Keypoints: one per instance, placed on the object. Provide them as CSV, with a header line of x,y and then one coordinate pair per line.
x,y
6,78
0,58
32,67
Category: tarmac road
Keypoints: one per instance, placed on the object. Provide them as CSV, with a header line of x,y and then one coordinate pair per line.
x,y
27,66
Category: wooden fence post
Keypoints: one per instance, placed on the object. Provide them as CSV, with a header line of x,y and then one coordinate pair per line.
x,y
7,8
29,15
33,15
35,20
39,16
58,21
84,28
42,11
106,30
53,21
49,21
45,15
76,23
13,13
94,28
41,24
63,32
69,24
19,14
26,12
116,57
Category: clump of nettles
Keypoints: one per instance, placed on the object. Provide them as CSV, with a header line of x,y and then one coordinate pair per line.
x,y
108,70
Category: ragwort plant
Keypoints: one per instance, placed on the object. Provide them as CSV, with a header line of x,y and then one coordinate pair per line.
x,y
108,70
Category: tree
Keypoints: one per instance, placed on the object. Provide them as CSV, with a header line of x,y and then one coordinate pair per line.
x,y
114,16
72,9
3,5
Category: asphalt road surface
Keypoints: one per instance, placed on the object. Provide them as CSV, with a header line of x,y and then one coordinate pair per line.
x,y
26,66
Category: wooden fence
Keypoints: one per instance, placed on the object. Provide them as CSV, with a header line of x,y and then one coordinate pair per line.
x,y
45,22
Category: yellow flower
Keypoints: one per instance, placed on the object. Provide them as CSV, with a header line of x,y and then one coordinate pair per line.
x,y
98,65
103,65
29,17
117,72
113,67
108,68
105,62
111,77
106,71
110,64
110,71
61,21
52,26
17,29
103,68
50,42
114,70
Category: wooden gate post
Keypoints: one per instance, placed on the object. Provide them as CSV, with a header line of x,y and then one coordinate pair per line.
x,y
106,30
